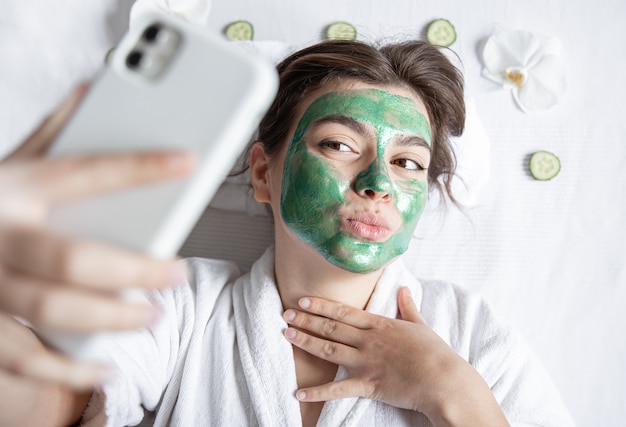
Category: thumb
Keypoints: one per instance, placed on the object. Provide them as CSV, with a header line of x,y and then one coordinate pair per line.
x,y
407,307
42,137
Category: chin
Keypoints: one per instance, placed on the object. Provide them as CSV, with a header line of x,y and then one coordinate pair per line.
x,y
361,257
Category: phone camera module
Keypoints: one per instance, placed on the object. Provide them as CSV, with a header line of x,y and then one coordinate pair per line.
x,y
152,33
153,51
133,60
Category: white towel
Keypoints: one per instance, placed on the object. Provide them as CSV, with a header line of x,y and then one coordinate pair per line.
x,y
219,357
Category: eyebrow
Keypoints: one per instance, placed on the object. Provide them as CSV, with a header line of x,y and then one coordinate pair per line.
x,y
355,125
412,141
349,122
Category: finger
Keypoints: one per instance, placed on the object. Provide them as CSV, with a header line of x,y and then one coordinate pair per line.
x,y
41,138
85,263
406,306
72,177
323,327
337,353
57,307
60,370
25,356
350,387
338,311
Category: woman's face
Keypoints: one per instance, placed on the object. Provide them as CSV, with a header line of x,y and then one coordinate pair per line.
x,y
354,180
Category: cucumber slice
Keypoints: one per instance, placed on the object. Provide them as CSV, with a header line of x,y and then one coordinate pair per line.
x,y
109,55
239,30
441,32
341,31
544,165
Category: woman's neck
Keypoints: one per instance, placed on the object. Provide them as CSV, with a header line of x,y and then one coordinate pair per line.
x,y
302,272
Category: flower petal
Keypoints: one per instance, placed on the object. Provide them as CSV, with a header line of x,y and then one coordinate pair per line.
x,y
545,84
496,77
508,48
549,46
196,11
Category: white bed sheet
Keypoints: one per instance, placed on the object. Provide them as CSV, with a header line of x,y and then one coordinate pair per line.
x,y
550,256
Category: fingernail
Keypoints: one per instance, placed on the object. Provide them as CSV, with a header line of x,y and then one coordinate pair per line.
x,y
177,274
289,315
152,315
301,395
304,302
178,161
290,333
408,293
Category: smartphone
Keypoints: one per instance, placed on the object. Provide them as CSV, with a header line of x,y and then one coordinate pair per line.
x,y
169,84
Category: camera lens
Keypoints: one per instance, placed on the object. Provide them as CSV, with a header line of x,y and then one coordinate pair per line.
x,y
151,33
133,60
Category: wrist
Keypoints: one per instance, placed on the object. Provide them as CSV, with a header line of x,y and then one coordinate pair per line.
x,y
463,398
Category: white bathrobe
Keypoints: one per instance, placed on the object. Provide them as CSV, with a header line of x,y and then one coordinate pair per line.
x,y
218,357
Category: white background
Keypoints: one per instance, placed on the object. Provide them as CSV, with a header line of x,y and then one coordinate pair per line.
x,y
550,256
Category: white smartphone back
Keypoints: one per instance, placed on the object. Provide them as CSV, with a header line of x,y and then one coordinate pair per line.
x,y
189,90
183,89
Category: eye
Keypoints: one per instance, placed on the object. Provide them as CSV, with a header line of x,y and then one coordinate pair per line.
x,y
335,146
408,164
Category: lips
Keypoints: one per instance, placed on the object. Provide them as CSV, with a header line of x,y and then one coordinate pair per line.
x,y
368,226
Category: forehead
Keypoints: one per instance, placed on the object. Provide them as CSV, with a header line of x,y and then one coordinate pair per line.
x,y
380,106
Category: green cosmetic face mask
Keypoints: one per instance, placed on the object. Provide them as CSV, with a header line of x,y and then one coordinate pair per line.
x,y
313,191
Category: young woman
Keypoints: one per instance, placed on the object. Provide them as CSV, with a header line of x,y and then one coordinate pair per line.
x,y
329,327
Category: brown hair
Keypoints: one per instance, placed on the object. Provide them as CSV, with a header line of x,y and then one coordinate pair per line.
x,y
413,64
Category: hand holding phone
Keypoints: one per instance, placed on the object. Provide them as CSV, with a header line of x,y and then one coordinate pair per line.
x,y
56,282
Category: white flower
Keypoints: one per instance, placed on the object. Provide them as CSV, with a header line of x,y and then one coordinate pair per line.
x,y
529,64
195,11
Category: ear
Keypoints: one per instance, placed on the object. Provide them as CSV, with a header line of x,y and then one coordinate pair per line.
x,y
259,171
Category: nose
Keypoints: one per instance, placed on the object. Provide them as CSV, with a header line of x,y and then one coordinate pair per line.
x,y
374,183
